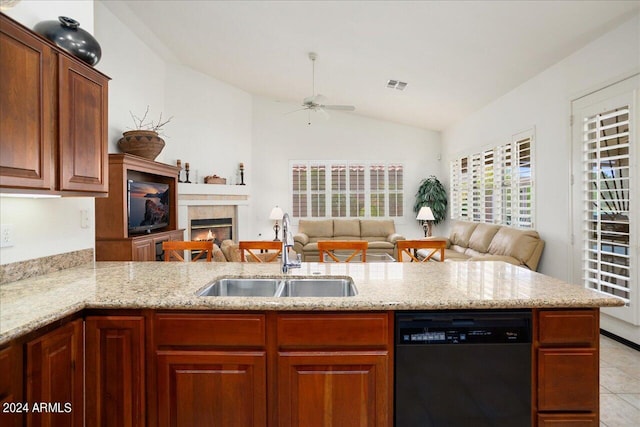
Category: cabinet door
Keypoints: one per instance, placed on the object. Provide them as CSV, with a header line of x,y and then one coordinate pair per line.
x,y
143,250
333,389
55,377
568,379
115,391
211,388
83,161
27,109
11,387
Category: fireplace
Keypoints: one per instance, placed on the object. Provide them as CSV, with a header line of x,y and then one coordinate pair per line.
x,y
214,229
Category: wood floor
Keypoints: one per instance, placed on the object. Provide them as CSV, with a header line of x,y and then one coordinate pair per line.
x,y
619,384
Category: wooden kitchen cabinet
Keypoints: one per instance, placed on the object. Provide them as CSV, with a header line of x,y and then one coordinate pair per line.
x,y
11,386
335,369
55,371
567,369
83,94
212,388
115,366
53,110
211,369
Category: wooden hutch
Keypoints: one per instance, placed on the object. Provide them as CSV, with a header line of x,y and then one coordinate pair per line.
x,y
114,242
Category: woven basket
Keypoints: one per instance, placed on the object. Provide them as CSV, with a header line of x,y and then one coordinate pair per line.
x,y
143,143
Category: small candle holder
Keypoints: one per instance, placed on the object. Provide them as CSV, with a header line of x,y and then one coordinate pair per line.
x,y
186,171
179,165
241,174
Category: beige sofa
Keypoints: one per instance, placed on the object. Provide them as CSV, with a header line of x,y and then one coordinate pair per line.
x,y
488,242
381,235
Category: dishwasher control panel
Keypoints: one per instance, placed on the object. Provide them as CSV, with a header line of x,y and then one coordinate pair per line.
x,y
463,328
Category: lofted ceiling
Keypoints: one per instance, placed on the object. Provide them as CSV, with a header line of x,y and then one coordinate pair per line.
x,y
456,56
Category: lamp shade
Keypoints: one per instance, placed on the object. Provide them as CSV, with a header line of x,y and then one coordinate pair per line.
x,y
425,214
276,213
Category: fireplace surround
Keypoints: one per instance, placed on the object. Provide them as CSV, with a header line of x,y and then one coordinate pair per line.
x,y
217,203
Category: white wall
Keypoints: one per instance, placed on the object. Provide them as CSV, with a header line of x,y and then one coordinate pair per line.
x,y
138,74
279,137
544,102
211,125
45,227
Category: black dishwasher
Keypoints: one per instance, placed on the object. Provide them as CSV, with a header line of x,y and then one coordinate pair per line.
x,y
463,368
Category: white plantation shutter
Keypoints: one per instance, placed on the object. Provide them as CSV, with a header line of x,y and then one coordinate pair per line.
x,y
339,190
318,187
395,173
357,190
522,171
606,222
377,190
346,189
496,185
299,190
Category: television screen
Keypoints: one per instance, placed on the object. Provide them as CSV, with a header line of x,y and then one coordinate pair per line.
x,y
148,206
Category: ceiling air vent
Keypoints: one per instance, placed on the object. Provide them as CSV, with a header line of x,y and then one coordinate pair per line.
x,y
396,84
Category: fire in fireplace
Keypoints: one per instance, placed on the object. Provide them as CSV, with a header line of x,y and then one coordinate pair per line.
x,y
214,229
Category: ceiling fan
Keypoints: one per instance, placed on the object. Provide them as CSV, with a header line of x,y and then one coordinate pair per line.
x,y
316,102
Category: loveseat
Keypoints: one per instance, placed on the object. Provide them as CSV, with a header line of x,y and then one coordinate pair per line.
x,y
381,235
489,242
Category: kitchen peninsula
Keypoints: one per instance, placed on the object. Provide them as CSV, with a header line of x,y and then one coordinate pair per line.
x,y
144,324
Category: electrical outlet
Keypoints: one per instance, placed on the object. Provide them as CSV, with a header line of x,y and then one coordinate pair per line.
x,y
6,235
84,218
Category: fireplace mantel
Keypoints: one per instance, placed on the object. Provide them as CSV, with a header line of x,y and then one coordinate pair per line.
x,y
196,197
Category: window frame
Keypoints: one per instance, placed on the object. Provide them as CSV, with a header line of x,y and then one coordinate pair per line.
x,y
346,192
486,186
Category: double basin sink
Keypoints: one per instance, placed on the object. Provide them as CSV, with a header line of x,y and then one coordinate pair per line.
x,y
280,287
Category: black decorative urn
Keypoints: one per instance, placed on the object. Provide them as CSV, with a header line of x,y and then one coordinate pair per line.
x,y
67,34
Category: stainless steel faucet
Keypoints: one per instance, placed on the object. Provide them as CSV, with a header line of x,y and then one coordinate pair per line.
x,y
287,242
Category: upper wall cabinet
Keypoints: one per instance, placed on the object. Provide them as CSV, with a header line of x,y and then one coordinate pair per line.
x,y
53,117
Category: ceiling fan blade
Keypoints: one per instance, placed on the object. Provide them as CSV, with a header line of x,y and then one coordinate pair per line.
x,y
338,107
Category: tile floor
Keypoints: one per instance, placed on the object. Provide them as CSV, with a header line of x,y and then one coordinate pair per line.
x,y
619,384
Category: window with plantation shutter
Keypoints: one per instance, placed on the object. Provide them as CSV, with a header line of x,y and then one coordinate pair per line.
x,y
606,195
346,189
496,185
606,187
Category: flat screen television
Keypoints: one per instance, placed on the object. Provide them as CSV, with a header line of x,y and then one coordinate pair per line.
x,y
148,206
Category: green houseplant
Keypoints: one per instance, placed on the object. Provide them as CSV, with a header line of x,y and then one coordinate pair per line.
x,y
432,193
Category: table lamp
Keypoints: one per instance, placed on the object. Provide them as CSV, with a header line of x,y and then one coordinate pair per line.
x,y
426,216
276,214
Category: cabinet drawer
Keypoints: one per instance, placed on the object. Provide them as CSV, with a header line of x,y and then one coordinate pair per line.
x,y
336,330
568,379
569,327
210,330
567,420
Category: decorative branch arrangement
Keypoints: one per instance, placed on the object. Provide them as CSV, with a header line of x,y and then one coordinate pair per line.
x,y
140,123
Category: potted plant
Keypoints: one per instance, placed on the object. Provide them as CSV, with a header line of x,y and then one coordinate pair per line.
x,y
144,140
431,193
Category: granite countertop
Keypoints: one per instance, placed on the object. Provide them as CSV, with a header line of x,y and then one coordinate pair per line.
x,y
31,303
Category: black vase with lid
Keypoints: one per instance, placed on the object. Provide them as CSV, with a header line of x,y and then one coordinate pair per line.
x,y
67,34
